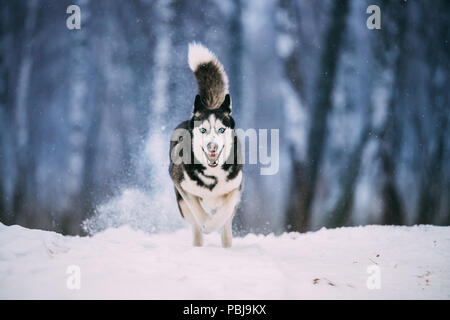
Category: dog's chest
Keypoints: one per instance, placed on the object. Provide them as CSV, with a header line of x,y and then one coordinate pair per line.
x,y
212,183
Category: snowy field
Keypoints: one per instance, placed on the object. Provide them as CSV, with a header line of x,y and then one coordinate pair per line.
x,y
412,262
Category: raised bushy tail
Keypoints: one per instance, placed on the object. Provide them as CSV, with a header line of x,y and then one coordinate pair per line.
x,y
211,77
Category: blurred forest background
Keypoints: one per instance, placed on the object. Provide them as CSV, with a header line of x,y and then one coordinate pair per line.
x,y
86,115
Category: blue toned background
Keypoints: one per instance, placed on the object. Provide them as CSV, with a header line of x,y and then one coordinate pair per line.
x,y
86,115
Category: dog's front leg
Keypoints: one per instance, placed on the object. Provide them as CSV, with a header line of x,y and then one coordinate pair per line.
x,y
224,213
193,203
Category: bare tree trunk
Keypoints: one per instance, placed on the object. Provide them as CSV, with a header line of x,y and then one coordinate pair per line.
x,y
393,213
340,215
431,186
432,183
299,210
289,25
144,39
23,157
88,189
78,117
390,135
235,73
4,217
236,52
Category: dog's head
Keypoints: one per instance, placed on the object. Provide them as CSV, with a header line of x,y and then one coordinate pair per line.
x,y
212,132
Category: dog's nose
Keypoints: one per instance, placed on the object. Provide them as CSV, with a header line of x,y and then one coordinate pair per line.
x,y
212,146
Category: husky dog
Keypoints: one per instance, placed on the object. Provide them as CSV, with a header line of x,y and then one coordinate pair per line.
x,y
208,179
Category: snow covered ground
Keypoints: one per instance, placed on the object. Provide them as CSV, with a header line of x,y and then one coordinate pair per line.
x,y
410,262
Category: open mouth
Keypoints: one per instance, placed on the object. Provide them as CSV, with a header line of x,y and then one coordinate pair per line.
x,y
212,157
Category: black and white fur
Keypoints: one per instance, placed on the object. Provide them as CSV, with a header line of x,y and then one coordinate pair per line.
x,y
208,188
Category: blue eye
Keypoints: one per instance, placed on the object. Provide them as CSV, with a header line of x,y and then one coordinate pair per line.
x,y
202,130
222,130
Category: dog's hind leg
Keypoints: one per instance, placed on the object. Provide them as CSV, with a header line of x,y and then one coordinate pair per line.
x,y
227,232
197,236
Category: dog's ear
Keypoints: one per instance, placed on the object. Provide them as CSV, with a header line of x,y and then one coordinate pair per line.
x,y
226,104
198,105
